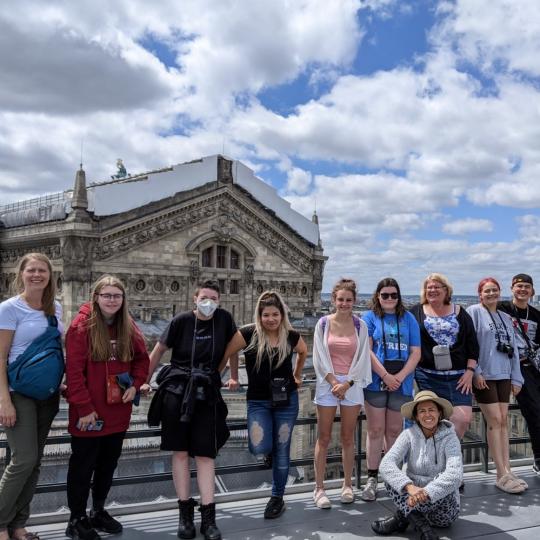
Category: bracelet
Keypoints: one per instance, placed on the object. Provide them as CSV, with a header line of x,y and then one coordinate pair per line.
x,y
470,368
384,375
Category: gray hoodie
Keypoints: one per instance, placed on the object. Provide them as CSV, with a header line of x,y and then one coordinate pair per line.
x,y
433,463
492,364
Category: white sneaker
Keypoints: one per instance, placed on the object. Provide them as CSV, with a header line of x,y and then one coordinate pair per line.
x,y
369,493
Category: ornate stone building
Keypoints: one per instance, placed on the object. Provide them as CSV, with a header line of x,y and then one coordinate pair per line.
x,y
163,231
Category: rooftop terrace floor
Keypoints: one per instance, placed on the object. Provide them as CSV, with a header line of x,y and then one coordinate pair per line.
x,y
486,513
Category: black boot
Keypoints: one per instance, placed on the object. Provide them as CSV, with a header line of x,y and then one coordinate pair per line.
x,y
208,522
389,525
101,520
274,508
423,526
186,527
81,529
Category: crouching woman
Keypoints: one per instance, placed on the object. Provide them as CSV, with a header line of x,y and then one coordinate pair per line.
x,y
426,494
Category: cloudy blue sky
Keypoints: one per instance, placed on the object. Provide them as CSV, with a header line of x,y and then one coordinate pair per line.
x,y
412,126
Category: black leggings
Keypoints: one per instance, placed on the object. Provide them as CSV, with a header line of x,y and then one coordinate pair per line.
x,y
92,464
529,403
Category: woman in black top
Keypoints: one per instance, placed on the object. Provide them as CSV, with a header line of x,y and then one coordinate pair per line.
x,y
189,403
449,349
268,348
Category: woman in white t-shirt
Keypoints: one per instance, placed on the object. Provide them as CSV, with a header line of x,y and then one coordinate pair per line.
x,y
26,420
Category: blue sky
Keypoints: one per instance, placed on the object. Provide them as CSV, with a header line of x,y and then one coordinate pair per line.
x,y
412,126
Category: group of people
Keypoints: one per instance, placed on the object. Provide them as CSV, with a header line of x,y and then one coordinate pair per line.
x,y
488,350
107,363
372,361
107,368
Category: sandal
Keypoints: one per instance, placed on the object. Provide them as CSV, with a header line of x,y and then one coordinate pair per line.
x,y
520,480
320,499
347,495
509,484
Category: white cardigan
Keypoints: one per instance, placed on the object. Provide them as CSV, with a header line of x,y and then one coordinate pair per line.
x,y
359,372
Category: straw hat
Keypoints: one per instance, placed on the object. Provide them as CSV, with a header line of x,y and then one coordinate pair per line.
x,y
407,409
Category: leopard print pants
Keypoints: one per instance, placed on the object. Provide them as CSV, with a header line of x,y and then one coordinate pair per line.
x,y
441,513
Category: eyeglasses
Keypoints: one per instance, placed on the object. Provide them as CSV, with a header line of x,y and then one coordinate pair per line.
x,y
114,297
387,295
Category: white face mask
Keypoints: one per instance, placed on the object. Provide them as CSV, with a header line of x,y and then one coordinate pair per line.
x,y
206,307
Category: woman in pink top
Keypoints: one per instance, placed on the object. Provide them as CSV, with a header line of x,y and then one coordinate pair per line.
x,y
342,363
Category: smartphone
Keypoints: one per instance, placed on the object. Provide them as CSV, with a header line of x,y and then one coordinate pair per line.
x,y
98,426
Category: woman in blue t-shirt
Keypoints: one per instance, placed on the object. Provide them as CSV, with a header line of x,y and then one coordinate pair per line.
x,y
395,343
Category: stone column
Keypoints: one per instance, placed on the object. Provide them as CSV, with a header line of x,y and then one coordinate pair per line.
x,y
76,275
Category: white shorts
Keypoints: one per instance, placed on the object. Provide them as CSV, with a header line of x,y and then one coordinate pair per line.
x,y
329,400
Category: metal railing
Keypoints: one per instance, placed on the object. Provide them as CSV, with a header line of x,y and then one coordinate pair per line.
x,y
360,454
36,202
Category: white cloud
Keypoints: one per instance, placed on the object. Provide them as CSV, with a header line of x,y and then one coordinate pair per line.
x,y
414,139
298,181
498,32
529,228
467,226
77,71
65,73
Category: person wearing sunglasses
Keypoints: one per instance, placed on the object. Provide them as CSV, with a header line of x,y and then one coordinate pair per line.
x,y
394,338
106,364
497,375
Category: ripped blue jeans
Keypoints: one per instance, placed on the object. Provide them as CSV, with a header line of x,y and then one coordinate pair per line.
x,y
270,432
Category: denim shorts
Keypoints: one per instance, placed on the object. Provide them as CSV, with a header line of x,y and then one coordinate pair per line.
x,y
329,400
444,385
384,399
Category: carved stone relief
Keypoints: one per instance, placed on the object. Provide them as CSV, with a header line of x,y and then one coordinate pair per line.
x,y
183,218
12,255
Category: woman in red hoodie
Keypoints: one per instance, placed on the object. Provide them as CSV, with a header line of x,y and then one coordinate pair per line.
x,y
106,363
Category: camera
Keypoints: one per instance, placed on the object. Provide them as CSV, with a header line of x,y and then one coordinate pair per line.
x,y
532,355
200,394
506,348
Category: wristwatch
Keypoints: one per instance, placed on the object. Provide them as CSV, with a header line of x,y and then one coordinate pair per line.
x,y
351,382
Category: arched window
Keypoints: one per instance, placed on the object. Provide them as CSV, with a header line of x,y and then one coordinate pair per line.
x,y
221,256
207,257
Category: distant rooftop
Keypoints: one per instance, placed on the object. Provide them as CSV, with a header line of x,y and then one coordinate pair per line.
x,y
116,196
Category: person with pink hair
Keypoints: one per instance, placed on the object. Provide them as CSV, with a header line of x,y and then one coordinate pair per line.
x,y
497,375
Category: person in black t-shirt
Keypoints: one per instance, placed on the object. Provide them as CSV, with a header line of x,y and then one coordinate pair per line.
x,y
526,320
268,346
192,411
